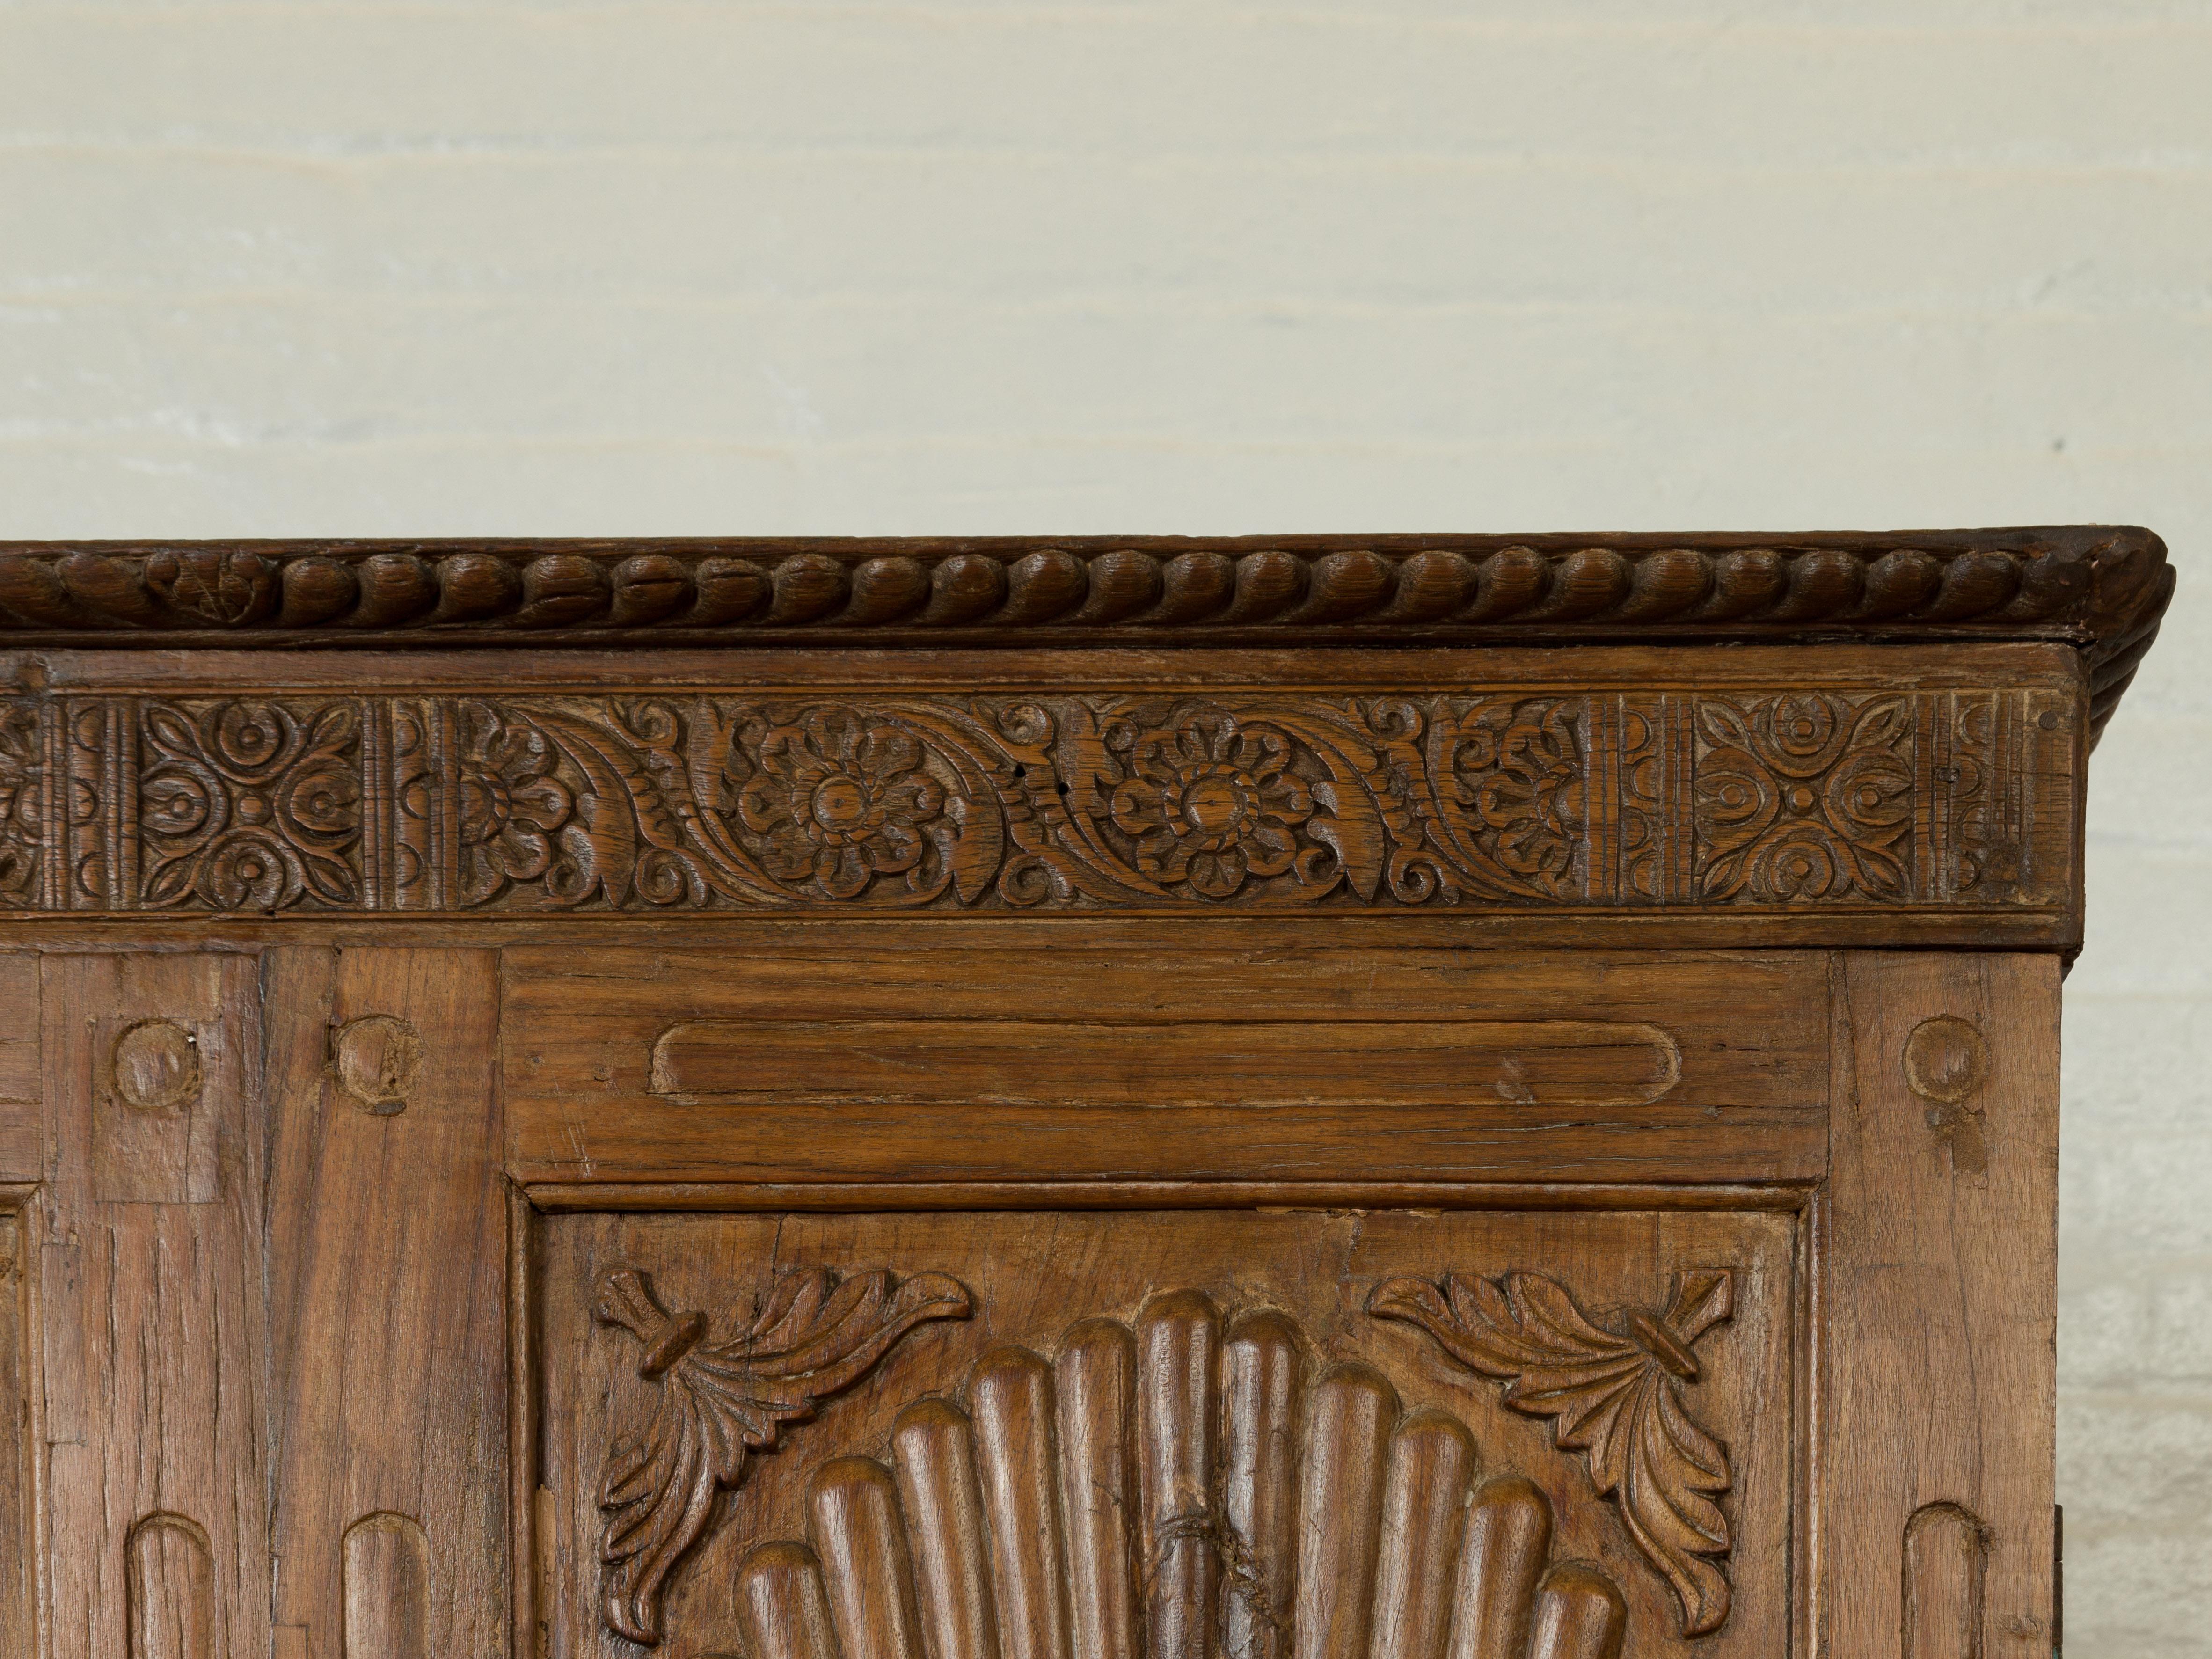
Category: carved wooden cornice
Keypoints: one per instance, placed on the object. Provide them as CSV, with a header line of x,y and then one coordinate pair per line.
x,y
2100,589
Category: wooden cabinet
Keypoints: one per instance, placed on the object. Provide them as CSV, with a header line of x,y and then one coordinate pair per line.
x,y
1405,1098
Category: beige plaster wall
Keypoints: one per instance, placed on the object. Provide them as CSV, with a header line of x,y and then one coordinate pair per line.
x,y
345,266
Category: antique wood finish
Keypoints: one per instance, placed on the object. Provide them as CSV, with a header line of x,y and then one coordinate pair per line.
x,y
1406,1097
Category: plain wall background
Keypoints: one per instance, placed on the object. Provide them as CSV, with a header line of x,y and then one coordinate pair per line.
x,y
533,267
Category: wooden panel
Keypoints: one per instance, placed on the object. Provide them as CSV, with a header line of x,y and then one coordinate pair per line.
x,y
1940,1316
153,1326
21,1156
900,1017
1053,1429
387,1255
1181,1063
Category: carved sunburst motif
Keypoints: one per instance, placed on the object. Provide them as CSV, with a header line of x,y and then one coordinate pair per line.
x,y
1616,1398
722,1401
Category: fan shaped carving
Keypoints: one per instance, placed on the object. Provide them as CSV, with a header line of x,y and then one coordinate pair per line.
x,y
1175,1487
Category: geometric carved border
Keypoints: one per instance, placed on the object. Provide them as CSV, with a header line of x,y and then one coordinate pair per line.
x,y
1767,799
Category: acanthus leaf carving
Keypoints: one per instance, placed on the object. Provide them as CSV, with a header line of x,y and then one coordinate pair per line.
x,y
1613,1398
720,1402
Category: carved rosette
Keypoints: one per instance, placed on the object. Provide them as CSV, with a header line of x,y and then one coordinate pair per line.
x,y
249,805
1615,1398
1805,796
1262,800
720,1402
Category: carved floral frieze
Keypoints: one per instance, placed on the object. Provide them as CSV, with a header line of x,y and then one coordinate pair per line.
x,y
1507,799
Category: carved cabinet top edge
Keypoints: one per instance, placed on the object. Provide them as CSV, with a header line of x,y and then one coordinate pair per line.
x,y
2101,588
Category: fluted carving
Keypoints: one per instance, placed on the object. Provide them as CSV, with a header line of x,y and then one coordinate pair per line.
x,y
1181,1485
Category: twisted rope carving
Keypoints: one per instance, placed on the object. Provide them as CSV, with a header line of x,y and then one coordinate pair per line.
x,y
2102,588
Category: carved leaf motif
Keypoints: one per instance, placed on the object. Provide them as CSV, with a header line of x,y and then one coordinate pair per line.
x,y
1254,799
1804,796
722,1401
1615,1399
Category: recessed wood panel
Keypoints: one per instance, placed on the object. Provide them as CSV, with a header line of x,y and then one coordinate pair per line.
x,y
1102,1433
1539,1063
891,1052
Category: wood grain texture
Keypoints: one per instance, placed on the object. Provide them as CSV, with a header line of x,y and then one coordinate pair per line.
x,y
19,1568
170,1580
1424,1503
1011,1393
387,1576
1508,1541
1178,1408
1938,1337
387,1258
1552,1063
1263,1397
860,1538
21,1140
1096,1379
1749,1030
153,1333
934,1450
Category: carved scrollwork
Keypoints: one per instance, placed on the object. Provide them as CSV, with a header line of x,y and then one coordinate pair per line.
x,y
1615,1398
23,804
720,1401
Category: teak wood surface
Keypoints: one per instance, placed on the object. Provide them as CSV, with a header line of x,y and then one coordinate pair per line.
x,y
1406,1097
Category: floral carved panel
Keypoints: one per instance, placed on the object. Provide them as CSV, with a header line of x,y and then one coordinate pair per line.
x,y
1512,799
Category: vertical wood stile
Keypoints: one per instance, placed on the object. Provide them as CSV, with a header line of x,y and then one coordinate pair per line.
x,y
1579,1615
151,1304
1508,1539
780,1606
860,1538
1010,1397
1348,1435
1431,1466
369,1213
1096,1384
387,1589
932,1450
1261,1393
1940,1288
